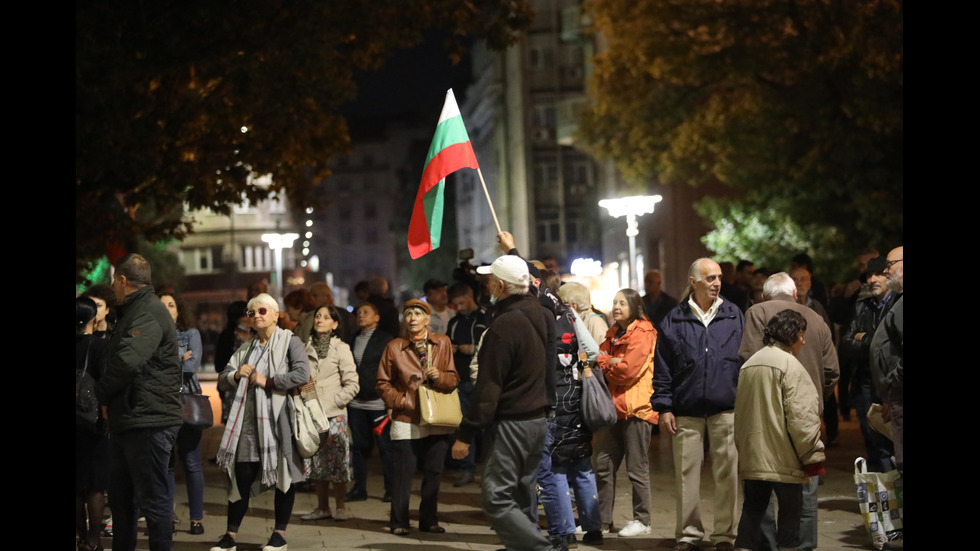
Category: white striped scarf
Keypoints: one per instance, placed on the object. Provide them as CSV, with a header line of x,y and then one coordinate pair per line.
x,y
268,447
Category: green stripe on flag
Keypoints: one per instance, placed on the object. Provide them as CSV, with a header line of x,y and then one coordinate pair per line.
x,y
449,132
434,205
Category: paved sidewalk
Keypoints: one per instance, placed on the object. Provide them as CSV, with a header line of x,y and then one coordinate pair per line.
x,y
841,526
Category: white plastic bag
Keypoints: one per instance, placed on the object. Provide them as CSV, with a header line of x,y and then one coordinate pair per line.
x,y
880,497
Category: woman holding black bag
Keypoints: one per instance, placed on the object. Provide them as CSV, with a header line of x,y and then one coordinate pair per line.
x,y
188,445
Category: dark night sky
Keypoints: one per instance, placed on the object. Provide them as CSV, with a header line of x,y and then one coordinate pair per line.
x,y
412,86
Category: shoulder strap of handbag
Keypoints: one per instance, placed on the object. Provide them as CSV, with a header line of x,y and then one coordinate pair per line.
x,y
428,356
583,355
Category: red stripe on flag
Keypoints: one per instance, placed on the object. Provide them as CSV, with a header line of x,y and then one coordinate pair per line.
x,y
447,161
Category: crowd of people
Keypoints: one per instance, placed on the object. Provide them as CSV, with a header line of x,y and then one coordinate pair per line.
x,y
748,368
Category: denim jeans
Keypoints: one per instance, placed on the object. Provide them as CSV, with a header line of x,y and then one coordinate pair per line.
x,y
140,485
808,520
188,451
362,423
555,480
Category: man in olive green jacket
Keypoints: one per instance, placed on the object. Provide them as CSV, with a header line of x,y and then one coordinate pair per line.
x,y
140,388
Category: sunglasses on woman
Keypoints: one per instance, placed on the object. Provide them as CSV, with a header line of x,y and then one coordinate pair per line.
x,y
260,311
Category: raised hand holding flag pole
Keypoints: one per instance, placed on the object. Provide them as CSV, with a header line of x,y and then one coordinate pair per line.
x,y
450,151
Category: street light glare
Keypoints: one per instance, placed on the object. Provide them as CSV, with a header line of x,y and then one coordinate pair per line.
x,y
636,205
631,208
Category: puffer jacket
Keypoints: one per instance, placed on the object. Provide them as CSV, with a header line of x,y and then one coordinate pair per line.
x,y
630,380
696,366
142,378
571,438
777,424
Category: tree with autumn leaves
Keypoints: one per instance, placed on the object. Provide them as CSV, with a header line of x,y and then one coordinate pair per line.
x,y
797,104
178,105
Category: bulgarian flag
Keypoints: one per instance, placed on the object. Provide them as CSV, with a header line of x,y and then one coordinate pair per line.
x,y
450,151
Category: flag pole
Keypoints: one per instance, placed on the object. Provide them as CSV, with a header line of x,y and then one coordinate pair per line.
x,y
489,202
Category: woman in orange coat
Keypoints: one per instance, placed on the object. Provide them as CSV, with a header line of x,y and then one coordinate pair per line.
x,y
626,360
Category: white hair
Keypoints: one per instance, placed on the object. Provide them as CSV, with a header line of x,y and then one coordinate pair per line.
x,y
575,292
779,284
265,300
515,288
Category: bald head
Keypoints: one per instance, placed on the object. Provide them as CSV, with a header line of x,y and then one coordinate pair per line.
x,y
704,276
895,269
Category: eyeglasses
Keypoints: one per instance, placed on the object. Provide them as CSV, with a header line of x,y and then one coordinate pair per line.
x,y
260,311
891,263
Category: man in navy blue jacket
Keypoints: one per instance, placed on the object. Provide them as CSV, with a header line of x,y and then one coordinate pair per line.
x,y
695,373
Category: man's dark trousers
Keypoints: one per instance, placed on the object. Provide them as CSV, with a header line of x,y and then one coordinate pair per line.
x,y
140,486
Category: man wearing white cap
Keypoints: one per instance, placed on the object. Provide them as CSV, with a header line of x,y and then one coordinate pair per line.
x,y
509,402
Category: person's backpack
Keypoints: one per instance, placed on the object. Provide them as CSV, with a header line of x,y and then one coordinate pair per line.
x,y
86,404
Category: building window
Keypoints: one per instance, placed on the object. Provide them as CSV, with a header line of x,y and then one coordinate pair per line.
x,y
255,258
541,57
200,261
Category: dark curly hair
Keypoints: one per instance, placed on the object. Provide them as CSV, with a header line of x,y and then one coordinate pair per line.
x,y
784,327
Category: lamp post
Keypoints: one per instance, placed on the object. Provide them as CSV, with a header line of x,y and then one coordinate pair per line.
x,y
277,242
631,208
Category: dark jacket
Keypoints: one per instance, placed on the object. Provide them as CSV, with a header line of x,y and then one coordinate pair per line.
x,y
657,309
367,368
888,354
142,376
466,329
390,321
511,381
696,367
868,313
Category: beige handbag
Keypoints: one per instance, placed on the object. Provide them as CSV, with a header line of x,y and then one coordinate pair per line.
x,y
439,409
305,432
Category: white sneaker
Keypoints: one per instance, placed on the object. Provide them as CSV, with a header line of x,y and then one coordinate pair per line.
x,y
317,514
341,515
634,528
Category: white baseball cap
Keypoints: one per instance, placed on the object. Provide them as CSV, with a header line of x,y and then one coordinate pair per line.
x,y
509,268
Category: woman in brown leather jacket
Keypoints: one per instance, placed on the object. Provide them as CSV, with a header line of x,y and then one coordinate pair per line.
x,y
418,358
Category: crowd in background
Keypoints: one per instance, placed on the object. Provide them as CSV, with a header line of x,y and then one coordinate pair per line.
x,y
365,364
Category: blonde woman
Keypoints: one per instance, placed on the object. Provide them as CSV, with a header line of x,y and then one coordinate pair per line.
x,y
258,450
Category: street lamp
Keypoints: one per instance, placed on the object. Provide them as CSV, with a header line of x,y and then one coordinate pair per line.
x,y
631,207
277,242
